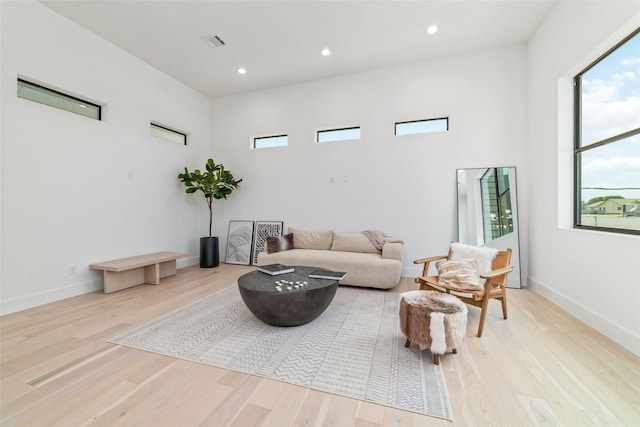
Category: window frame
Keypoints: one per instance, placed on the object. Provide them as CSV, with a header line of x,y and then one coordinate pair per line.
x,y
327,130
395,127
266,137
153,124
579,149
80,102
492,183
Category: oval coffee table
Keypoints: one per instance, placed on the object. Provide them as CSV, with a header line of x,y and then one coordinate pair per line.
x,y
286,308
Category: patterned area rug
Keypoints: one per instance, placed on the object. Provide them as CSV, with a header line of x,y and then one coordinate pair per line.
x,y
355,348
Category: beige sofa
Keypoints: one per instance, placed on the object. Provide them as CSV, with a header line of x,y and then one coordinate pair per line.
x,y
353,253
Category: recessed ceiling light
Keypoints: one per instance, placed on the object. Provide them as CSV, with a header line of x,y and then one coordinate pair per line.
x,y
432,29
241,70
325,52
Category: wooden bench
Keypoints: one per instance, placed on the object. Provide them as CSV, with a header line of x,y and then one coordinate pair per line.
x,y
128,272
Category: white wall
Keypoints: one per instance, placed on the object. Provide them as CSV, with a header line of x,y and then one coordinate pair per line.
x,y
67,199
404,186
593,275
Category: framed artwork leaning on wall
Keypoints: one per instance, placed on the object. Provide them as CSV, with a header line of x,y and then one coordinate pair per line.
x,y
239,242
262,230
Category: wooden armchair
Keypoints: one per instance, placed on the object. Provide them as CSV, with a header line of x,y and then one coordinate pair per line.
x,y
494,287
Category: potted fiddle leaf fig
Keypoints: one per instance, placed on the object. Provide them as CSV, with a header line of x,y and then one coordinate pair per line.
x,y
215,183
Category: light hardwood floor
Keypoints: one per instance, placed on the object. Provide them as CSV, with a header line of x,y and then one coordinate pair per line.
x,y
539,367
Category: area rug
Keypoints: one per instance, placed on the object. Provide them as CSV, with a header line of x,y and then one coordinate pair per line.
x,y
355,348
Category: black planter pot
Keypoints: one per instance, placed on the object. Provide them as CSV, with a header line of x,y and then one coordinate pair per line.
x,y
209,255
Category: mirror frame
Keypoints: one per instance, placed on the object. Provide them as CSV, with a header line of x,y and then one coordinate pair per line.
x,y
463,208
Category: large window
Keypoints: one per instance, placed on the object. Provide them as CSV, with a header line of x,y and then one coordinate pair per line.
x,y
607,140
54,98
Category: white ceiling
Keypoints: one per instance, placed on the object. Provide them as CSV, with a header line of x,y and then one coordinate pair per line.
x,y
279,42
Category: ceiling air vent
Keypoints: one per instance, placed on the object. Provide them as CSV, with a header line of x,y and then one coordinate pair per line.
x,y
213,40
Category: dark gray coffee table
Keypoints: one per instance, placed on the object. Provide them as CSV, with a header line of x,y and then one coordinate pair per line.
x,y
288,307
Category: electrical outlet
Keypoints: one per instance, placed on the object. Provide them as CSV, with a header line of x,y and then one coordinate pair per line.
x,y
130,174
73,270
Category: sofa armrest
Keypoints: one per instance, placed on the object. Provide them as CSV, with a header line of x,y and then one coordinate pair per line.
x,y
392,251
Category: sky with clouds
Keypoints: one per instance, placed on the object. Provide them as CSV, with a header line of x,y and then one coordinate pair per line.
x,y
611,106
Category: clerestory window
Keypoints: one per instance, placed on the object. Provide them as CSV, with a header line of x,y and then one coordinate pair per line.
x,y
168,134
54,98
270,141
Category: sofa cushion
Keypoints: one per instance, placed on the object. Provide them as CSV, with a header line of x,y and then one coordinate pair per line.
x,y
459,274
279,243
353,242
303,239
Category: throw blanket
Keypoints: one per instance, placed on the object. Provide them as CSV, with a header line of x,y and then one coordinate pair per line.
x,y
379,239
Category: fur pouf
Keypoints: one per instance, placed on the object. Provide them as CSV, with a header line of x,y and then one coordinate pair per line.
x,y
433,320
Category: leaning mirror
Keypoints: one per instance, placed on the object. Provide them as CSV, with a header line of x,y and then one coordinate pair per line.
x,y
488,212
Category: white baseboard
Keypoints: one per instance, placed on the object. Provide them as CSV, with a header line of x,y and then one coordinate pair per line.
x,y
187,262
617,333
53,295
34,300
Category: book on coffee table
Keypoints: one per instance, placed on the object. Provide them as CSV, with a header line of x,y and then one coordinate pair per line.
x,y
327,274
275,269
